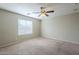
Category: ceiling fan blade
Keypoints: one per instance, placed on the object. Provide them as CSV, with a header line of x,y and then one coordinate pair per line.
x,y
35,12
46,14
39,15
43,15
50,11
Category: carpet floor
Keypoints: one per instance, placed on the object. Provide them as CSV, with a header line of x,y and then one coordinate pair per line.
x,y
41,46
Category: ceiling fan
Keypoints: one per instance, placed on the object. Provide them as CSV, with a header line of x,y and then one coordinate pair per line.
x,y
43,12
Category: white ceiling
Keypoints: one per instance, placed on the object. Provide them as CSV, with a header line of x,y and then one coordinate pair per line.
x,y
25,8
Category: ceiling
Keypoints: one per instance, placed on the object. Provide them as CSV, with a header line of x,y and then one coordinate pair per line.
x,y
27,8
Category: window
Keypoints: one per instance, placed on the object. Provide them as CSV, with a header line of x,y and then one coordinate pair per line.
x,y
24,27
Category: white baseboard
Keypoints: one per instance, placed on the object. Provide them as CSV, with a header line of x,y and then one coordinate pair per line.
x,y
14,42
63,40
9,43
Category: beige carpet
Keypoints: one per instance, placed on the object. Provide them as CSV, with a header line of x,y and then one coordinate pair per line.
x,y
41,46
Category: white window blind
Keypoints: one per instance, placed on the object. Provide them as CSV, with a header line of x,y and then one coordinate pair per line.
x,y
24,27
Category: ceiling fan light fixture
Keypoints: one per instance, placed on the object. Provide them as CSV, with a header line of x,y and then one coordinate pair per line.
x,y
43,12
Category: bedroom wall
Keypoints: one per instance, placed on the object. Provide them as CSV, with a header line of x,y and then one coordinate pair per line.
x,y
64,28
9,26
0,29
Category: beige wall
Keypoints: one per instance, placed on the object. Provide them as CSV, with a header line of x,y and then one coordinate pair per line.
x,y
64,28
9,27
0,29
